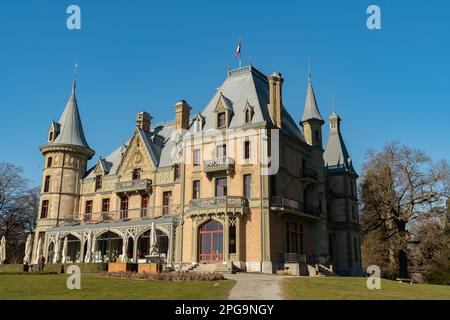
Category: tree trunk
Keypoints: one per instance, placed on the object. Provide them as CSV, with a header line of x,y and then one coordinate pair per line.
x,y
402,253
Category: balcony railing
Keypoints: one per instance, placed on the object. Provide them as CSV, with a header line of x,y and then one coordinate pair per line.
x,y
131,214
219,202
219,164
309,173
292,257
134,186
286,204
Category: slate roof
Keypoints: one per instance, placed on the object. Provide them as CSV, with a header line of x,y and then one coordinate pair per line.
x,y
336,156
241,86
311,110
70,126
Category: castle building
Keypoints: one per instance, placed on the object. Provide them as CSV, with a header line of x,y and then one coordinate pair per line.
x,y
238,185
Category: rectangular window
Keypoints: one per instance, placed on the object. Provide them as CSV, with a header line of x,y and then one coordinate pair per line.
x,y
124,208
221,151
221,120
88,211
248,185
105,205
196,189
177,172
144,205
44,209
221,187
136,174
167,200
247,150
49,162
196,157
47,184
98,183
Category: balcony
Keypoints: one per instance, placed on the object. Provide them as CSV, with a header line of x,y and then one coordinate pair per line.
x,y
130,214
292,257
133,186
283,204
219,164
234,204
309,174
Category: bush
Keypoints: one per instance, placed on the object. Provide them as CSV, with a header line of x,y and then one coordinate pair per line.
x,y
44,273
169,276
438,277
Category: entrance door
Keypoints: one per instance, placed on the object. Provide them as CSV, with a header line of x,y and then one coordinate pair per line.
x,y
211,242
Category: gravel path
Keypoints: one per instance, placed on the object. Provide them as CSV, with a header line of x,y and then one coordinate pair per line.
x,y
256,286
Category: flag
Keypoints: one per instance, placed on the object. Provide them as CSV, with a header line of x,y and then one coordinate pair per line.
x,y
238,49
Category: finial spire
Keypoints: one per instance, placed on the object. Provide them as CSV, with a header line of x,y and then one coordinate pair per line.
x,y
309,69
334,103
74,83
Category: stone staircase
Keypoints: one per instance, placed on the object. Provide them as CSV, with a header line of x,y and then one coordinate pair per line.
x,y
324,271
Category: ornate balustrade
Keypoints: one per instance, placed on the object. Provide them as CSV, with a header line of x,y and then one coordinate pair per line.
x,y
219,164
133,186
285,204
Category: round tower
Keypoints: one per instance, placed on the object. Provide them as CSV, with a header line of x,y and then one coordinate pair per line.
x,y
66,154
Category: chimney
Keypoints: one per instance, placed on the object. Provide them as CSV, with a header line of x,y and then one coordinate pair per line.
x,y
182,115
275,97
143,120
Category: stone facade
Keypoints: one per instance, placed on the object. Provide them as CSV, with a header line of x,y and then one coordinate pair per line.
x,y
202,182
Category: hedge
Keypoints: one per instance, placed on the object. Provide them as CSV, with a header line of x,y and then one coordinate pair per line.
x,y
57,267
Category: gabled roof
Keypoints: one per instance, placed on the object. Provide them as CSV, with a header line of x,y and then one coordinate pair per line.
x,y
243,88
70,126
311,110
336,156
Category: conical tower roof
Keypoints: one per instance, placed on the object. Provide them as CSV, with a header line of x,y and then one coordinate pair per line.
x,y
336,155
311,110
70,127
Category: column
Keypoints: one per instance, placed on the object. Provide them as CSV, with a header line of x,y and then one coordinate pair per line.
x,y
226,238
238,238
194,241
135,246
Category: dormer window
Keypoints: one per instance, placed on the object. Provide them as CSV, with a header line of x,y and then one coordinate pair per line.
x,y
176,172
221,120
198,123
136,174
224,112
98,183
53,131
248,113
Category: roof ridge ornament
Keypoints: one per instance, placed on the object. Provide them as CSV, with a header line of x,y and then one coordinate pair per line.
x,y
75,73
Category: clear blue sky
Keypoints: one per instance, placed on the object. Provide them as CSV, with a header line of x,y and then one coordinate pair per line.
x,y
392,84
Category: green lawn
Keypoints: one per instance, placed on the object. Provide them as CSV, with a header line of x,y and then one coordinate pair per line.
x,y
93,287
344,288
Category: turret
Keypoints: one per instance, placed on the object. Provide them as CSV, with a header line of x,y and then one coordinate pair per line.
x,y
312,120
342,203
66,154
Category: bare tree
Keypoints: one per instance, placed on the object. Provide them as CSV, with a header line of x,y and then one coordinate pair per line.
x,y
18,206
399,185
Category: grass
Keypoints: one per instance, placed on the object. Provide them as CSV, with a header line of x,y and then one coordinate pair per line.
x,y
94,287
344,288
